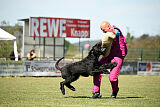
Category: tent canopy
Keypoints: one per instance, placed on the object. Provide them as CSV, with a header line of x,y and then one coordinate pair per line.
x,y
6,36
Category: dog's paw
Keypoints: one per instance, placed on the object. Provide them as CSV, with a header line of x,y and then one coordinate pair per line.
x,y
92,74
105,66
63,91
106,71
62,88
115,64
73,89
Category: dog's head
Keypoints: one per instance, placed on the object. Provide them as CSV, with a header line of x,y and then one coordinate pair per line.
x,y
97,50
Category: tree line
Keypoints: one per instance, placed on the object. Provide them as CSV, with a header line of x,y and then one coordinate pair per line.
x,y
144,41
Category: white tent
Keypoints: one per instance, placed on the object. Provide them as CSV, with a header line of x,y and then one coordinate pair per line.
x,y
6,36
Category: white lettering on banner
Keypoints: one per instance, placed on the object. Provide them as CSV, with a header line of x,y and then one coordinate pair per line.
x,y
42,69
62,28
69,21
127,68
155,66
35,24
82,22
79,33
43,27
53,27
84,26
71,25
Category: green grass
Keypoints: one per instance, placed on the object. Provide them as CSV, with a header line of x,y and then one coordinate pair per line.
x,y
135,91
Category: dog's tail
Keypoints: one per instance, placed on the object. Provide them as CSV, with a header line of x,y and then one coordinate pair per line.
x,y
56,65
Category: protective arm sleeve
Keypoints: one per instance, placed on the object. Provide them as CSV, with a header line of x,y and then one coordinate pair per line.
x,y
107,41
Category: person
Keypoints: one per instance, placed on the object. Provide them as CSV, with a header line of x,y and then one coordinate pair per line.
x,y
31,55
12,56
115,42
19,55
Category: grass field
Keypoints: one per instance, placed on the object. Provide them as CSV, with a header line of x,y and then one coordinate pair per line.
x,y
135,91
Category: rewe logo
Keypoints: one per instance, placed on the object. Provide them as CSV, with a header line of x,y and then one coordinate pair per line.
x,y
48,27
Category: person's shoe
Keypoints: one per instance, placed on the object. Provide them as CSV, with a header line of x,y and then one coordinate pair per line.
x,y
96,95
114,94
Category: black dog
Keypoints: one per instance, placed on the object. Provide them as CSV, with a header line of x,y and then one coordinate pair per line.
x,y
87,66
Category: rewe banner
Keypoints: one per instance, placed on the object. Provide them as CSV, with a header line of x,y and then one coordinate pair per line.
x,y
59,27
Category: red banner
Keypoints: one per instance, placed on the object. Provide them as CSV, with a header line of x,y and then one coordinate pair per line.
x,y
59,27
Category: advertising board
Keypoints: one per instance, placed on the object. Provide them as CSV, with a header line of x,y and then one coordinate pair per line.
x,y
11,68
148,68
42,68
59,27
129,68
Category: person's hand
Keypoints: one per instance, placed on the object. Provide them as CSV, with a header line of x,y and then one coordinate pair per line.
x,y
34,55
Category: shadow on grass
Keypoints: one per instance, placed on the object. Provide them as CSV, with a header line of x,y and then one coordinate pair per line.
x,y
103,97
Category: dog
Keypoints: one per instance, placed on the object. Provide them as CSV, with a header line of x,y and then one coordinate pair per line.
x,y
87,66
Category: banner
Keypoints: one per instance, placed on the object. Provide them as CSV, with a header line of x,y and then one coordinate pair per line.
x,y
30,68
156,67
47,68
129,68
11,68
42,68
148,68
59,27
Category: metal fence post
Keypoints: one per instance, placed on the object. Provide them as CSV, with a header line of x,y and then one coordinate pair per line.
x,y
82,52
159,54
141,53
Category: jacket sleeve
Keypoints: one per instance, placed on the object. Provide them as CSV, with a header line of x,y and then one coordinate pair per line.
x,y
123,46
122,42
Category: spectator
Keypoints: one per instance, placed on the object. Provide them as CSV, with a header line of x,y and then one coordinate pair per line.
x,y
19,55
12,57
31,55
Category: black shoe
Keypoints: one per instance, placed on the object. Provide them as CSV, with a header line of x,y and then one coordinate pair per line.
x,y
114,94
96,95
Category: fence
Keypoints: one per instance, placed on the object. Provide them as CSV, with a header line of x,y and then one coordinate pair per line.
x,y
133,55
140,54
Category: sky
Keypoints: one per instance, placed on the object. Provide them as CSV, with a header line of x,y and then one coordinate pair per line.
x,y
135,16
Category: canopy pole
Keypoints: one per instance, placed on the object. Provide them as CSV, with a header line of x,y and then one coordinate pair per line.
x,y
79,49
15,50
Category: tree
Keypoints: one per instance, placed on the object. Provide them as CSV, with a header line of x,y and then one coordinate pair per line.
x,y
144,36
6,47
129,38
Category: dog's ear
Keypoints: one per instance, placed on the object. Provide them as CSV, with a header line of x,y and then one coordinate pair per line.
x,y
91,51
99,43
